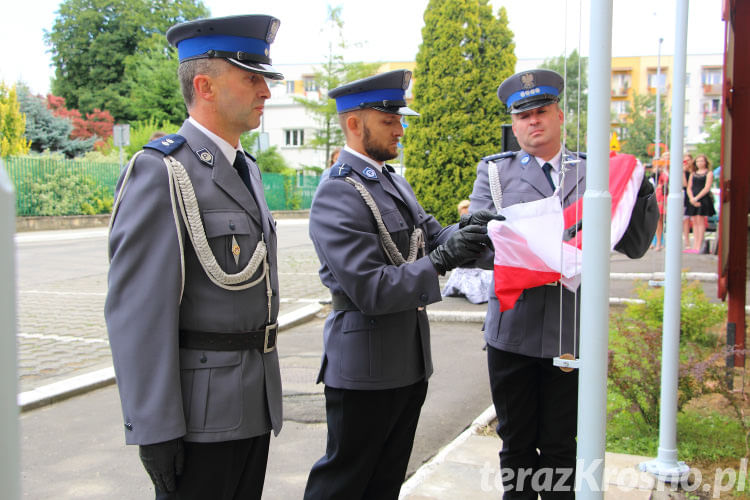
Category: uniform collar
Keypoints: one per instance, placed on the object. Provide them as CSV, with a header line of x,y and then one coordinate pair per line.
x,y
554,161
377,165
229,151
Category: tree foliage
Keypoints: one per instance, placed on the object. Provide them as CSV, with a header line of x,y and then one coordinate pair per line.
x,y
466,52
12,123
97,124
711,146
91,39
575,101
333,73
268,160
48,132
640,126
151,76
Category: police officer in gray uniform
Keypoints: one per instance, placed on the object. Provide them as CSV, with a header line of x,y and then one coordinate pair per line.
x,y
380,256
193,287
536,402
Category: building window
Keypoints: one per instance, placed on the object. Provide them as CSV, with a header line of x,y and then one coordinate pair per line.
x,y
619,107
620,84
294,137
290,86
711,76
662,80
310,84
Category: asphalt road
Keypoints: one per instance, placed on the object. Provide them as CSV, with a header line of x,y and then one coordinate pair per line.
x,y
75,449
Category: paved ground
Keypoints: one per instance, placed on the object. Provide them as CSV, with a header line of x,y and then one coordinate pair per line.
x,y
61,289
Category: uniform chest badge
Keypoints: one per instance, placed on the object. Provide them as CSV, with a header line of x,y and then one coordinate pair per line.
x,y
205,156
370,173
235,251
525,159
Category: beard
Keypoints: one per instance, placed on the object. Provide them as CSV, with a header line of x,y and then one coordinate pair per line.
x,y
375,151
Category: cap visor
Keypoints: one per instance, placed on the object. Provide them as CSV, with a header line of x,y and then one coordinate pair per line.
x,y
262,69
403,110
536,103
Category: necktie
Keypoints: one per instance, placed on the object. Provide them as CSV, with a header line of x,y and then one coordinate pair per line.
x,y
546,168
241,166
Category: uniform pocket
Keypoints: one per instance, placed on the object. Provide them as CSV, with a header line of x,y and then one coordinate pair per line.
x,y
230,233
360,347
211,389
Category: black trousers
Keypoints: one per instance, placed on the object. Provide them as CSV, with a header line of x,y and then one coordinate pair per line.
x,y
370,437
536,405
227,470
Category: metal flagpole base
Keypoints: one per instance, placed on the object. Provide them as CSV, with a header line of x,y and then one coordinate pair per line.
x,y
668,472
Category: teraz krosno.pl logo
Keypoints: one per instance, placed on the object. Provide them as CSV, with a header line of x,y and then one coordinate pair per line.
x,y
614,478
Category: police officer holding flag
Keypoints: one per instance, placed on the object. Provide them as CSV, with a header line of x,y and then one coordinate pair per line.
x,y
380,256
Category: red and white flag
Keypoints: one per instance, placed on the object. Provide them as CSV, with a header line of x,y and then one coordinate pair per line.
x,y
529,246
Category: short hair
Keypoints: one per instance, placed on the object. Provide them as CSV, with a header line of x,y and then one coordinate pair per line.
x,y
188,70
334,156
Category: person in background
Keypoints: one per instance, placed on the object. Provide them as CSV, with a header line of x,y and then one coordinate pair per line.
x,y
687,169
192,302
662,189
334,156
157,135
472,283
701,201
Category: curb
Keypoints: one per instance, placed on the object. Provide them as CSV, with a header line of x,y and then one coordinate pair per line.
x,y
427,468
64,389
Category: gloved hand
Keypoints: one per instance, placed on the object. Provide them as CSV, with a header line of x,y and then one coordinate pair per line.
x,y
479,218
464,245
163,462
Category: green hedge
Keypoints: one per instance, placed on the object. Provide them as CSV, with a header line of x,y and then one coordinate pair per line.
x,y
47,186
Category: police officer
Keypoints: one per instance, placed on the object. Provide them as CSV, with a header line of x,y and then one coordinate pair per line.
x,y
380,256
536,402
193,287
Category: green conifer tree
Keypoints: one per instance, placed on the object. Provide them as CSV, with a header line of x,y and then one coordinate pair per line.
x,y
466,53
12,124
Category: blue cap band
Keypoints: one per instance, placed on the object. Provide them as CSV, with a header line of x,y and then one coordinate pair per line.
x,y
351,101
192,47
522,94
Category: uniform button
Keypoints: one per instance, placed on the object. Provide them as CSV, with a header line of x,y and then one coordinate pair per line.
x,y
423,297
372,322
129,426
231,225
203,358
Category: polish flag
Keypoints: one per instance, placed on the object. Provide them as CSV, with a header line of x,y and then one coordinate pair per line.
x,y
529,246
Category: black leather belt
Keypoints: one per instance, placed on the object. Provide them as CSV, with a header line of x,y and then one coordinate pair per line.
x,y
263,340
342,303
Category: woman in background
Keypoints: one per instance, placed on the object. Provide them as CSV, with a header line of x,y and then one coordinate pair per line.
x,y
687,169
701,201
662,183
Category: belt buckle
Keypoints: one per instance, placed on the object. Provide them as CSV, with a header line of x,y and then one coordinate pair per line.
x,y
271,334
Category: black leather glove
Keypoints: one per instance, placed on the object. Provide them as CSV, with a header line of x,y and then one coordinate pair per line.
x,y
479,218
464,245
163,462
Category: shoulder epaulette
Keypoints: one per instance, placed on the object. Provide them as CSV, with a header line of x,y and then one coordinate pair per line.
x,y
340,170
500,156
167,144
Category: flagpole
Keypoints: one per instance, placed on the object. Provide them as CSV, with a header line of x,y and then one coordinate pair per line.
x,y
597,209
666,467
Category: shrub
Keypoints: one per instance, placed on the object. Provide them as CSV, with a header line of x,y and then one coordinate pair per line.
x,y
65,193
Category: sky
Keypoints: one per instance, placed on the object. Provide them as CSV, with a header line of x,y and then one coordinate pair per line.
x,y
542,29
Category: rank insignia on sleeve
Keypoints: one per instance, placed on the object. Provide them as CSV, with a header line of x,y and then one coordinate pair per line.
x,y
205,156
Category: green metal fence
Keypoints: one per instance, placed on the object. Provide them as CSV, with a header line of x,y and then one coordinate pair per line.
x,y
283,192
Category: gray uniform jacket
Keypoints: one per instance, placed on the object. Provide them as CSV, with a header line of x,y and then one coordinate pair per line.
x,y
166,391
534,327
385,343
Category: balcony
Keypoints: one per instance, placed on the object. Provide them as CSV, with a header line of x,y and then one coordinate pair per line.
x,y
712,89
620,91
